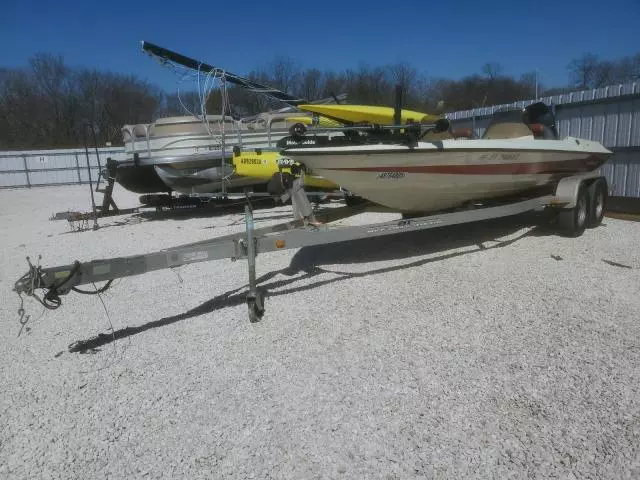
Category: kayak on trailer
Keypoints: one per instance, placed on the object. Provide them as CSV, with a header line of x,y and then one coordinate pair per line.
x,y
367,114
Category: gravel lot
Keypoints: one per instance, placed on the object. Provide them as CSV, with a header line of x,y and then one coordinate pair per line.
x,y
493,350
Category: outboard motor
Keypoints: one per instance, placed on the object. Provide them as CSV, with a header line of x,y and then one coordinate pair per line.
x,y
442,125
538,116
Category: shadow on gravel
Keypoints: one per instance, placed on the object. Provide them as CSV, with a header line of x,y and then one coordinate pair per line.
x,y
206,210
483,235
258,218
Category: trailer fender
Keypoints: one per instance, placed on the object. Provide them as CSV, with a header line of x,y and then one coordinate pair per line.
x,y
568,187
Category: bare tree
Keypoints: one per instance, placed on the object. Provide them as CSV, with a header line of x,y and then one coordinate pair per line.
x,y
627,69
333,84
583,71
284,74
530,84
590,72
403,74
311,84
187,103
55,83
49,104
20,110
492,70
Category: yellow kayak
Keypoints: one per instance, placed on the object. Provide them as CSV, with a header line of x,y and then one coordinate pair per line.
x,y
367,113
264,164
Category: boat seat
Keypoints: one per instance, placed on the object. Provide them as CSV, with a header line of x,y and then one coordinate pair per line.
x,y
462,133
135,131
507,130
188,126
191,128
435,137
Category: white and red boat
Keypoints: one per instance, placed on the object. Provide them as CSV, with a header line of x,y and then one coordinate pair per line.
x,y
519,152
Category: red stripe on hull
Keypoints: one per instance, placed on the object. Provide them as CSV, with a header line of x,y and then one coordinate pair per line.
x,y
564,166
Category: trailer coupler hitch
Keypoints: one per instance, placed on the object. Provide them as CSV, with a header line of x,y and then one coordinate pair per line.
x,y
35,279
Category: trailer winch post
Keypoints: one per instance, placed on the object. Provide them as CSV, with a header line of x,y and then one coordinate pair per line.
x,y
397,111
93,201
255,301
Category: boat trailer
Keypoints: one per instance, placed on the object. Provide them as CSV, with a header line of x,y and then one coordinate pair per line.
x,y
57,281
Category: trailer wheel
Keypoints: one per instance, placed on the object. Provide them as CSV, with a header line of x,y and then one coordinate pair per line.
x,y
572,222
598,193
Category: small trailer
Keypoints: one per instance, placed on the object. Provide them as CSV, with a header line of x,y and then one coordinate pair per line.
x,y
578,202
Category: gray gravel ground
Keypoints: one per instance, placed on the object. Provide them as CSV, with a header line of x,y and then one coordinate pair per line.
x,y
491,350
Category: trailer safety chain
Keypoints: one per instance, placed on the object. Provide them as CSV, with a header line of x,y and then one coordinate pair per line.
x,y
21,313
51,299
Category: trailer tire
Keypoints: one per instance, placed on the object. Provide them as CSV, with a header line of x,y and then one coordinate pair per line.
x,y
598,193
573,221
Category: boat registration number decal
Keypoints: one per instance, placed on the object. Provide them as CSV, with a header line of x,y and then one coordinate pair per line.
x,y
499,156
391,175
253,161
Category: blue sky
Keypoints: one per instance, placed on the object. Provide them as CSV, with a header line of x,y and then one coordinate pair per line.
x,y
440,39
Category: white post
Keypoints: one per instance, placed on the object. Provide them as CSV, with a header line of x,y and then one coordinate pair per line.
x,y
26,170
224,118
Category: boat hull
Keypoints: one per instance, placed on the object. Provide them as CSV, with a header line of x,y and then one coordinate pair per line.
x,y
435,177
140,179
191,181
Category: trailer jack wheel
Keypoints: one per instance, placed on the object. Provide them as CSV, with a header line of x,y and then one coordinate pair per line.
x,y
255,303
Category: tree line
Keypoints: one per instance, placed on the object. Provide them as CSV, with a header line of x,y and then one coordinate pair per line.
x,y
49,104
